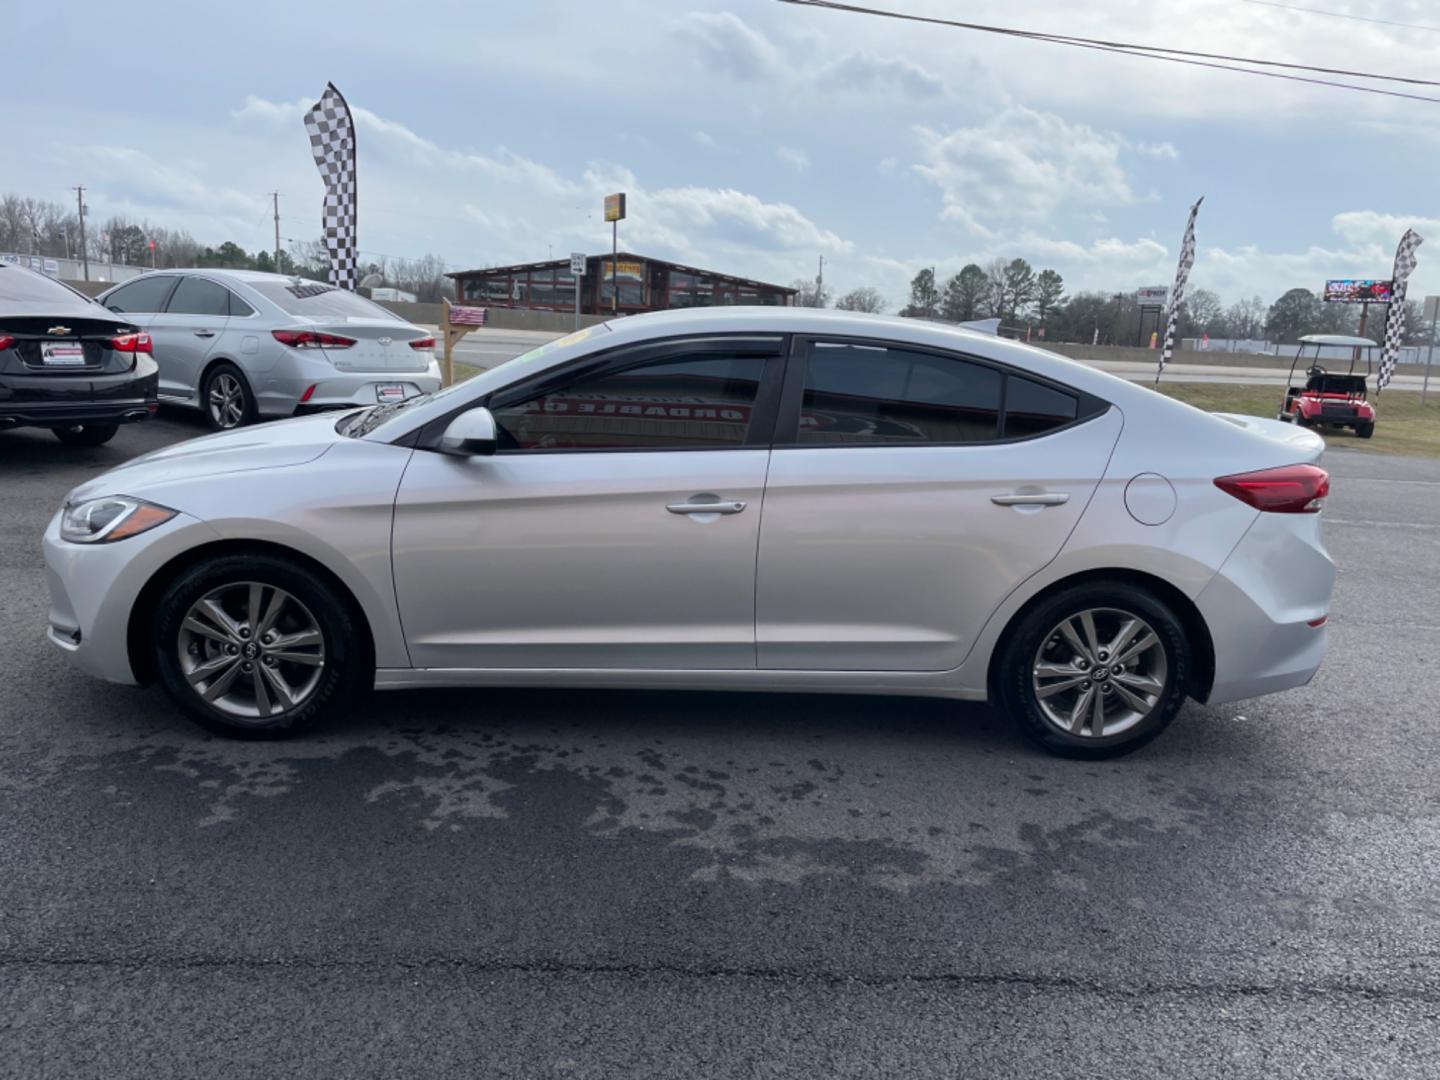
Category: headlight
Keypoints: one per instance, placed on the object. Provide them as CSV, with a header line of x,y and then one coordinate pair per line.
x,y
114,517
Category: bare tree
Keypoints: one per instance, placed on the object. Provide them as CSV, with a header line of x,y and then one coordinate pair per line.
x,y
806,294
862,299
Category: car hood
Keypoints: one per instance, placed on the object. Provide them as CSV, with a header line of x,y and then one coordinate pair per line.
x,y
263,446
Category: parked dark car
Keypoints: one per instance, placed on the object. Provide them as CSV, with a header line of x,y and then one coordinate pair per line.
x,y
67,363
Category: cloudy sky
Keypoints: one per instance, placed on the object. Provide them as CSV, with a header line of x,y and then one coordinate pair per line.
x,y
752,136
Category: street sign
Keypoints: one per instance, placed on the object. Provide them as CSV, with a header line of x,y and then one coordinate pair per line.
x,y
577,264
1357,291
615,207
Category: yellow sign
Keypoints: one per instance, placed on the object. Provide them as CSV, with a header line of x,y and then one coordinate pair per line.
x,y
615,207
624,268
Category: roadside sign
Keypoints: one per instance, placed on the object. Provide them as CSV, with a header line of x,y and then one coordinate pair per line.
x,y
1358,291
1150,295
52,267
577,264
615,207
1432,308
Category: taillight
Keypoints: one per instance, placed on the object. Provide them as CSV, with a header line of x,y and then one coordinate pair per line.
x,y
132,343
311,339
423,343
1290,489
6,342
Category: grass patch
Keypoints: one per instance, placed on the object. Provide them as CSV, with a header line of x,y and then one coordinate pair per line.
x,y
1402,424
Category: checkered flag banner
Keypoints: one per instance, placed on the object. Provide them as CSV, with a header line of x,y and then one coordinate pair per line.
x,y
1177,294
332,141
1395,316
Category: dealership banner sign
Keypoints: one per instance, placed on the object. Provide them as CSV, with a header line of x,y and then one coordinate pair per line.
x,y
1395,317
1358,291
1177,297
332,142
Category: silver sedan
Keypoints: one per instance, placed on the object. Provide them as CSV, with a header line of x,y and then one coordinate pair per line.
x,y
246,346
729,499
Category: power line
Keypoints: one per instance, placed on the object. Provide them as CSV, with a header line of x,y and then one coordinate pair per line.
x,y
1153,52
1342,15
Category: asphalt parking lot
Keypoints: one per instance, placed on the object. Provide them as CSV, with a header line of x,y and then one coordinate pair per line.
x,y
535,883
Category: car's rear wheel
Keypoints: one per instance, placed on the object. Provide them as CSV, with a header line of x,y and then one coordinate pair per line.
x,y
1366,429
85,434
226,398
1095,671
258,646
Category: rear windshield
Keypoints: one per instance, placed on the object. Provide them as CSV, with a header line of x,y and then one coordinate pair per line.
x,y
22,292
319,301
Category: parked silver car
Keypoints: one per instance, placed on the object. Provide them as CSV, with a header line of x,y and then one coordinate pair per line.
x,y
246,346
722,499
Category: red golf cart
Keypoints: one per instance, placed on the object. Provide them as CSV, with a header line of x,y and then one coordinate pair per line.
x,y
1326,399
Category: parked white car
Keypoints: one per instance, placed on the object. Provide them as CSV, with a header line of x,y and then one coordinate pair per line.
x,y
726,499
245,346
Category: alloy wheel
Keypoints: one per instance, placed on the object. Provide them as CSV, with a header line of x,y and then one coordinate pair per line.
x,y
227,400
251,650
1099,672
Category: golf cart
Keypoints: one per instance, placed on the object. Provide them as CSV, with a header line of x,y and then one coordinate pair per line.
x,y
1326,399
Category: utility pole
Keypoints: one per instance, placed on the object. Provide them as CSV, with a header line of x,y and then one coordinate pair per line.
x,y
276,196
820,284
84,253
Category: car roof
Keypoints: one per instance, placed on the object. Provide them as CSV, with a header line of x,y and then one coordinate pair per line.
x,y
1337,339
252,276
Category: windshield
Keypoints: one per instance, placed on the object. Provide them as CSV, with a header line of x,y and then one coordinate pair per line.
x,y
316,300
359,425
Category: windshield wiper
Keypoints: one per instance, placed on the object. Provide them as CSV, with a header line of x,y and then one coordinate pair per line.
x,y
367,422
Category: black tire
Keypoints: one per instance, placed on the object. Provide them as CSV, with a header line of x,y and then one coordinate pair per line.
x,y
347,670
1365,430
225,379
1014,676
86,434
1302,420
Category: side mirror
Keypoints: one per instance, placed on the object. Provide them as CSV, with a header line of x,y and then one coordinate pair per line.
x,y
469,434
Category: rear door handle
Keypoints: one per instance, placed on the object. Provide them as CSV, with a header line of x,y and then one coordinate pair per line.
x,y
728,506
1038,498
204,333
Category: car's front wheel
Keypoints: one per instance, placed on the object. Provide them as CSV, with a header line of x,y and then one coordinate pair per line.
x,y
258,646
85,434
1095,671
226,398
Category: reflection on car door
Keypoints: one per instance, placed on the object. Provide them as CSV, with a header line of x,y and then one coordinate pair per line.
x,y
186,332
883,546
616,526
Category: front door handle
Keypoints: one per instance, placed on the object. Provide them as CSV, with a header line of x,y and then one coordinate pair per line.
x,y
1037,498
204,333
726,506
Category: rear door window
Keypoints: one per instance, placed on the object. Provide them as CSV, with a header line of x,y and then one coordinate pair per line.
x,y
199,296
1032,408
873,395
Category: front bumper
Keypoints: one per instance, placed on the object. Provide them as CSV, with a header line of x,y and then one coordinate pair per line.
x,y
1261,604
281,394
93,589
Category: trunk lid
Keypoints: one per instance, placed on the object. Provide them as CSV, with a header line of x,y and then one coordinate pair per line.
x,y
64,345
1307,445
380,345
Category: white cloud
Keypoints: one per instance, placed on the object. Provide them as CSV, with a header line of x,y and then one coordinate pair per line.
x,y
705,139
1022,164
866,73
726,43
1158,150
793,156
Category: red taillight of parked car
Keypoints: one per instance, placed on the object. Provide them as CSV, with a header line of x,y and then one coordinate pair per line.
x,y
132,343
6,342
1290,489
311,339
423,343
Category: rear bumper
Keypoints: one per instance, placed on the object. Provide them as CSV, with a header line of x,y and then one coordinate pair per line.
x,y
64,413
1260,606
281,394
